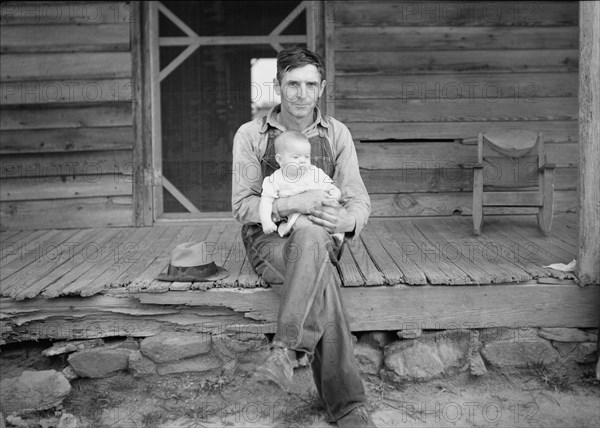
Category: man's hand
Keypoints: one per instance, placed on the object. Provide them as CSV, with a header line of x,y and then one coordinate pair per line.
x,y
333,217
302,203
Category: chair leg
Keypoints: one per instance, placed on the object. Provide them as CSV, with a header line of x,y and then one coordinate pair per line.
x,y
477,200
546,211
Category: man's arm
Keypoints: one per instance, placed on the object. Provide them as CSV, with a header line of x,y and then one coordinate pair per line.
x,y
246,180
355,207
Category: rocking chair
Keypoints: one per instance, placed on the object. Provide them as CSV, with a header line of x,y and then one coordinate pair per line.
x,y
512,171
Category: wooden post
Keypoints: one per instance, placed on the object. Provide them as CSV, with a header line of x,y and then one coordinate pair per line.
x,y
142,189
329,23
588,262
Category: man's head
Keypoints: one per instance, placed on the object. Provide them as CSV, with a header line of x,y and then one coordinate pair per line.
x,y
290,58
300,80
292,150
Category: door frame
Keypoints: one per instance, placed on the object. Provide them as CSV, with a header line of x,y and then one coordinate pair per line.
x,y
148,183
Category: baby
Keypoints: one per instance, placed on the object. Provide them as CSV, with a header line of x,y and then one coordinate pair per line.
x,y
295,175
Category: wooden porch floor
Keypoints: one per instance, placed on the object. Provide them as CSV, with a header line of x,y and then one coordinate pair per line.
x,y
434,251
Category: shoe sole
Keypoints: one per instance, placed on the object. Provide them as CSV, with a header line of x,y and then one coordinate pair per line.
x,y
266,378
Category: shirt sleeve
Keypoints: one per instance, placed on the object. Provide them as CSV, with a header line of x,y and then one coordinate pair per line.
x,y
246,180
269,188
347,177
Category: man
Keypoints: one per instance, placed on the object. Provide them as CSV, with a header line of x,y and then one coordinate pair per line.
x,y
301,267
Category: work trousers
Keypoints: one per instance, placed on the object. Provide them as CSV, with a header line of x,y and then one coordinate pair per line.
x,y
302,269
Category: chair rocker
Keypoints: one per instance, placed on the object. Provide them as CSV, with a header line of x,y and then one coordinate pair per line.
x,y
511,171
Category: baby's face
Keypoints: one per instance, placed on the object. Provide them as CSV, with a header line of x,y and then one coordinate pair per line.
x,y
295,157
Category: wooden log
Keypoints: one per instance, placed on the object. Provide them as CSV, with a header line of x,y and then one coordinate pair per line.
x,y
66,91
67,213
27,189
554,131
588,265
430,307
93,164
61,116
452,203
446,61
524,199
520,87
64,140
447,155
37,12
64,38
385,13
65,66
454,38
143,211
441,180
433,108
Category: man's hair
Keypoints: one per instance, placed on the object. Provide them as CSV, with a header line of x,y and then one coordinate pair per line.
x,y
296,57
287,136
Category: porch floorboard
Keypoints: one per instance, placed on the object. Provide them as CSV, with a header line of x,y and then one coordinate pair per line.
x,y
408,251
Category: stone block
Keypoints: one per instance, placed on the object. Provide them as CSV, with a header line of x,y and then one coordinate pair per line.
x,y
426,357
141,366
585,352
35,390
99,362
59,348
173,346
368,358
378,339
200,363
70,373
509,353
567,335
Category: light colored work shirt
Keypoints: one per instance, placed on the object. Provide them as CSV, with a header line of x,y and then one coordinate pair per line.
x,y
249,145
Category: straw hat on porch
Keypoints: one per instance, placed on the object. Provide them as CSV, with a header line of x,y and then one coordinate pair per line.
x,y
192,262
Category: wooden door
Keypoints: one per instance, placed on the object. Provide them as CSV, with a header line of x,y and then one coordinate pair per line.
x,y
201,92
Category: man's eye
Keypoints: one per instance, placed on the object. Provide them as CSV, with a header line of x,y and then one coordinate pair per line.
x,y
312,84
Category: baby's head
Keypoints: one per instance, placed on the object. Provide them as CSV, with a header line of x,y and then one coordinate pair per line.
x,y
292,148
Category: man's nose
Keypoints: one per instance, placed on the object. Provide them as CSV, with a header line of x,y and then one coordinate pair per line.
x,y
302,91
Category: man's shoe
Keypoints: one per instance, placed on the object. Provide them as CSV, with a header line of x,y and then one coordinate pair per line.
x,y
357,417
278,370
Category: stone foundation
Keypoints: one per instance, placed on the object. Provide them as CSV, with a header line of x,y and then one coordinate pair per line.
x,y
396,357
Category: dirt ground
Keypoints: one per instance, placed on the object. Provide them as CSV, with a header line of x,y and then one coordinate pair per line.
x,y
537,397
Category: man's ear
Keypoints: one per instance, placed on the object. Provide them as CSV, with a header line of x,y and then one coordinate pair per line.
x,y
276,86
323,84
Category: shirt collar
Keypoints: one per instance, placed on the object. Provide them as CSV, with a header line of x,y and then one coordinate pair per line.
x,y
272,119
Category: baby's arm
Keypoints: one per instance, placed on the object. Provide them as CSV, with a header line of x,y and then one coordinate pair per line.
x,y
269,193
265,209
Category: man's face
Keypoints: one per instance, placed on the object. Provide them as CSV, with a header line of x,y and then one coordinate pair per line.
x,y
300,90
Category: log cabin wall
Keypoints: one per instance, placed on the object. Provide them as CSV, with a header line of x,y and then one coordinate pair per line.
x,y
66,115
417,81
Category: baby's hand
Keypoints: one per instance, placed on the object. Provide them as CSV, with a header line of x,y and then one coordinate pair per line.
x,y
269,228
335,194
302,221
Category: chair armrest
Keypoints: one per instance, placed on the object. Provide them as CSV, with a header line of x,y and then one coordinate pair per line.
x,y
546,166
477,166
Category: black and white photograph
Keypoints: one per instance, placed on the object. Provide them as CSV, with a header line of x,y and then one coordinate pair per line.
x,y
299,214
